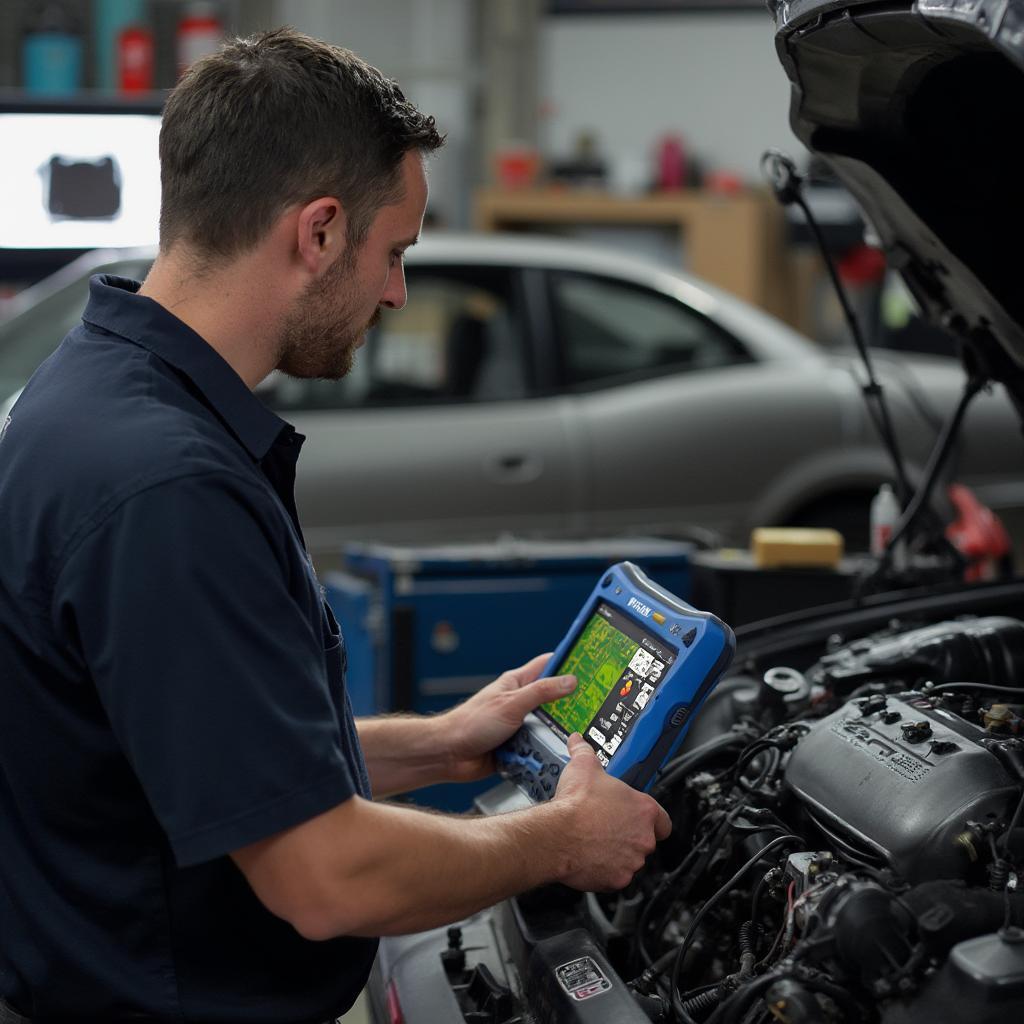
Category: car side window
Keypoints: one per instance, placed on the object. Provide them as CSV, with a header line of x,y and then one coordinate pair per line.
x,y
609,330
458,338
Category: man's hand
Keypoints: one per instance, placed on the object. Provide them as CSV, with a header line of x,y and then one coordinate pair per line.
x,y
474,728
367,868
615,827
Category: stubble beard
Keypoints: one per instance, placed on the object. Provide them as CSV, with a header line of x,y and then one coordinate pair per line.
x,y
319,336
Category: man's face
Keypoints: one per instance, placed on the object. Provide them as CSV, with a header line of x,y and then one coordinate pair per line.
x,y
329,321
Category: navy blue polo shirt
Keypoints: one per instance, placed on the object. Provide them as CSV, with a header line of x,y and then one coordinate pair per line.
x,y
171,685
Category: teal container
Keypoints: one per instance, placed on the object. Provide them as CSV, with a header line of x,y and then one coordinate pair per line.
x,y
52,62
110,18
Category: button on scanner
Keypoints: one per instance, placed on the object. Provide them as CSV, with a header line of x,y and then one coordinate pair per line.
x,y
678,717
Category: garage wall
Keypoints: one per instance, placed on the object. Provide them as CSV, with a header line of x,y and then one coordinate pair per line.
x,y
425,45
713,77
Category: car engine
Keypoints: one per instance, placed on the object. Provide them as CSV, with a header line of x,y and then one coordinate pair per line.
x,y
847,847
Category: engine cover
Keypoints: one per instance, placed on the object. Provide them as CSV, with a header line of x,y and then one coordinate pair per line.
x,y
895,780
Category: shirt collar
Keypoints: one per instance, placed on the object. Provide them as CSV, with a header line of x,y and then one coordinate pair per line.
x,y
115,305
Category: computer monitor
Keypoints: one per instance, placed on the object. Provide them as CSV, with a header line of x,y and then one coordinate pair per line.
x,y
77,175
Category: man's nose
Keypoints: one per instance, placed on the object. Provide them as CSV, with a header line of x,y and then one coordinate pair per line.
x,y
395,294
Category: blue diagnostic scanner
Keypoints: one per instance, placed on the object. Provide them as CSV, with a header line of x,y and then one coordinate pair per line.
x,y
645,662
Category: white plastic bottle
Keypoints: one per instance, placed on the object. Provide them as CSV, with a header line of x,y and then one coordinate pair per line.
x,y
199,32
885,514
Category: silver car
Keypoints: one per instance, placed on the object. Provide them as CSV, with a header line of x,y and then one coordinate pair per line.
x,y
540,387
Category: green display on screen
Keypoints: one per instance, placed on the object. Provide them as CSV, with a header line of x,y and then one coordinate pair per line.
x,y
597,659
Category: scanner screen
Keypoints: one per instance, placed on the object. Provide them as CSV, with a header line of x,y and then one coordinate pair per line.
x,y
618,665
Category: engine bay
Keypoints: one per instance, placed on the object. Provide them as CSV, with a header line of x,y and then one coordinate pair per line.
x,y
847,846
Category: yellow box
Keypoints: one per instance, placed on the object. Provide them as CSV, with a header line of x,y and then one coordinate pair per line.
x,y
776,546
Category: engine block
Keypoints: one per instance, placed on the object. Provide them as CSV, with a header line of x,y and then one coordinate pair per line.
x,y
895,780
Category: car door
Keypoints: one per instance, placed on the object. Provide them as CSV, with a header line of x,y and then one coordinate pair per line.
x,y
436,434
682,425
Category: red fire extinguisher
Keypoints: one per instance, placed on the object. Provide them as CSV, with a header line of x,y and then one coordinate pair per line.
x,y
135,59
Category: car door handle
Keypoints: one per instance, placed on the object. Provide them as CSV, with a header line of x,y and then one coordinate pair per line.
x,y
514,467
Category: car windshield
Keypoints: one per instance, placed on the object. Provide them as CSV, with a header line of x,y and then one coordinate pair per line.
x,y
29,337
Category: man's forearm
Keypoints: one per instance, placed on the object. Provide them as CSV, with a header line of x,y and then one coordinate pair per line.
x,y
441,869
404,752
377,869
366,868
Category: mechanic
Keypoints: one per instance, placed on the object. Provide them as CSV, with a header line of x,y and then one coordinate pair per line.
x,y
186,824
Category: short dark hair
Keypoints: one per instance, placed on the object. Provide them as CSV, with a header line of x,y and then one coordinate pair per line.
x,y
272,121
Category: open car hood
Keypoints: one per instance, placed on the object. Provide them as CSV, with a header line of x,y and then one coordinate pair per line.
x,y
919,109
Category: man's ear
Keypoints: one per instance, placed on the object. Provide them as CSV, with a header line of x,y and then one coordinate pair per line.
x,y
320,232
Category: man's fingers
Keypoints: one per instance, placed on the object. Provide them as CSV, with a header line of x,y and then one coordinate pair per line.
x,y
531,696
579,747
526,674
551,688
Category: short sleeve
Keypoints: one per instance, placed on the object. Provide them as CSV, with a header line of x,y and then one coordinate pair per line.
x,y
198,621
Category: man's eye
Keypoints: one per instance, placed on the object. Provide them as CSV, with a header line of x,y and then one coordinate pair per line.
x,y
397,256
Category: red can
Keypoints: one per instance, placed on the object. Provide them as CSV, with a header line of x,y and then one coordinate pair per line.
x,y
135,59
